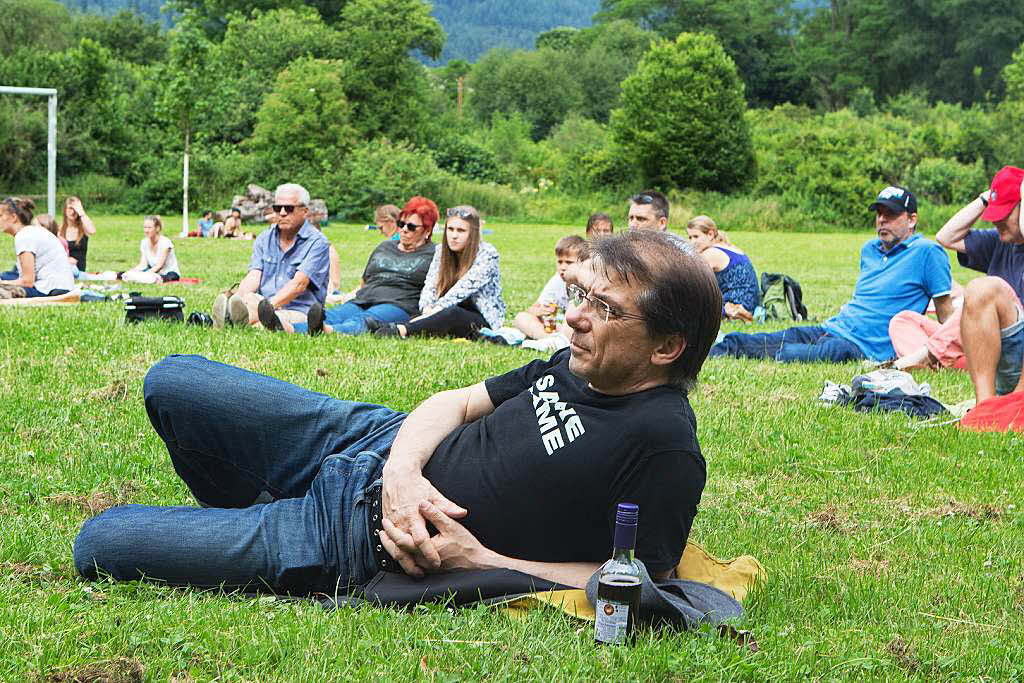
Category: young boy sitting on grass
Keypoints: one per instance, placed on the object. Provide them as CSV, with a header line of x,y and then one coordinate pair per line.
x,y
541,320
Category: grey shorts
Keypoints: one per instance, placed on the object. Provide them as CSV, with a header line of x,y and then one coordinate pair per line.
x,y
1008,370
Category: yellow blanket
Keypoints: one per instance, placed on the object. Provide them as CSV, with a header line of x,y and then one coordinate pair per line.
x,y
735,577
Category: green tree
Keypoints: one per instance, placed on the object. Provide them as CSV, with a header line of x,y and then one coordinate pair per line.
x,y
33,24
561,38
755,33
127,35
681,117
386,84
605,55
187,90
304,126
536,84
1013,76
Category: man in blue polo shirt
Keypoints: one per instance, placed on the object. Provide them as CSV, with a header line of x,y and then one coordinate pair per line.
x,y
899,271
288,270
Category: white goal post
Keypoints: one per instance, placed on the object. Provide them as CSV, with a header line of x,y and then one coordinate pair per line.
x,y
51,140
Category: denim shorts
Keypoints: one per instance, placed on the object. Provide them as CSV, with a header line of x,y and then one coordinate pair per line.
x,y
1008,370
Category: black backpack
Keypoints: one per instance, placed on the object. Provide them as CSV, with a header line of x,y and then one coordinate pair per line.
x,y
138,308
781,292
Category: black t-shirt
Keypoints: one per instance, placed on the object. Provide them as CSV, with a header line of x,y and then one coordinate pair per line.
x,y
393,276
541,476
78,250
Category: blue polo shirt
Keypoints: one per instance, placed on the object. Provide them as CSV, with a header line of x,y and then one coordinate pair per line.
x,y
901,279
308,254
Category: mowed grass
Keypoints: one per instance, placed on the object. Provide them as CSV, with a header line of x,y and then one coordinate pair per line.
x,y
891,552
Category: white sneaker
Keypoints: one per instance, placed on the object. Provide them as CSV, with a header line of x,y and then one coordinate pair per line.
x,y
835,394
220,311
238,311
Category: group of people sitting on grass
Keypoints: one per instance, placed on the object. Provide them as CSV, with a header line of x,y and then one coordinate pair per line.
x,y
50,258
412,287
901,273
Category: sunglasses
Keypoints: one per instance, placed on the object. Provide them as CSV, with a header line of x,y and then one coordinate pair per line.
x,y
411,227
642,199
464,214
288,208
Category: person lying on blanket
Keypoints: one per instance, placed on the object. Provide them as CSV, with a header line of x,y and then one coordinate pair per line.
x,y
301,492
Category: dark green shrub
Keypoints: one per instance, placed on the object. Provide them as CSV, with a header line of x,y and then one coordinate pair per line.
x,y
466,159
947,181
379,172
681,117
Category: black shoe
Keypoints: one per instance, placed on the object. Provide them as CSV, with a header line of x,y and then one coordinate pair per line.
x,y
199,318
315,320
373,324
387,330
268,316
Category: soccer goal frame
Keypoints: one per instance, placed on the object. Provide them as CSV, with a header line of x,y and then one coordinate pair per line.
x,y
51,139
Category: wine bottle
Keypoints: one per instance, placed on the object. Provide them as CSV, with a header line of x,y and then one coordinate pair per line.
x,y
618,587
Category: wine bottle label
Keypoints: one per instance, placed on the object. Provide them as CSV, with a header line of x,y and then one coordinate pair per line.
x,y
612,619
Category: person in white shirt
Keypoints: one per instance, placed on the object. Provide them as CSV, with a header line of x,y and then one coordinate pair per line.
x,y
42,266
157,261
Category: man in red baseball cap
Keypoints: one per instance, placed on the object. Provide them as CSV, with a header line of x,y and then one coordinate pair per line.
x,y
992,326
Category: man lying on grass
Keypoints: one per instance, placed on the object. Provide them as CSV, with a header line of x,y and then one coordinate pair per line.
x,y
305,493
899,271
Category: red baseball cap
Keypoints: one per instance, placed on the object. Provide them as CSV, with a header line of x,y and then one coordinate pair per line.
x,y
1005,194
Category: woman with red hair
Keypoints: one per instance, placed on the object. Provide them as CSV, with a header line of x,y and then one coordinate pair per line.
x,y
392,279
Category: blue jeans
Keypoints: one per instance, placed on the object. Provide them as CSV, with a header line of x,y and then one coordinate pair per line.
x,y
1011,356
808,344
287,474
350,318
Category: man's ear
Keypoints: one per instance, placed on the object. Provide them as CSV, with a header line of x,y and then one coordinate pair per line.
x,y
668,350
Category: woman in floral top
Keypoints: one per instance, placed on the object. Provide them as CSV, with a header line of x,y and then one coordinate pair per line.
x,y
462,292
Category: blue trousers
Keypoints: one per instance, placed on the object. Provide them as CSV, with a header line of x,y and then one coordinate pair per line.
x,y
807,344
287,475
350,318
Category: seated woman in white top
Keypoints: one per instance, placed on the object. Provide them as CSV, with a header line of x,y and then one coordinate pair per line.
x,y
158,262
42,266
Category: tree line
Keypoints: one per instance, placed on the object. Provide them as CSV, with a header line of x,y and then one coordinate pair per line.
x,y
766,97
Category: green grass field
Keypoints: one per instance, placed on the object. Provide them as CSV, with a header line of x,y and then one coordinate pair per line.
x,y
891,552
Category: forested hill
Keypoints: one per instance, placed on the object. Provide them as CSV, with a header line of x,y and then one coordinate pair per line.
x,y
473,26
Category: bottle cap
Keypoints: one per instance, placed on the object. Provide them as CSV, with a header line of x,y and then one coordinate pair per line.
x,y
626,517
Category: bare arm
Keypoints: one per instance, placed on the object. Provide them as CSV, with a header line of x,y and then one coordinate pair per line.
x,y
250,284
943,307
404,486
952,234
160,261
27,262
294,287
715,258
87,225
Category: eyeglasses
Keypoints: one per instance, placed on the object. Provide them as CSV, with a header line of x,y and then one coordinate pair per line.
x,y
642,199
411,227
461,213
577,296
288,208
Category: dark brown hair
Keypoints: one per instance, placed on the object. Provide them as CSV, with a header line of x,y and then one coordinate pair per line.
x,y
680,294
455,264
21,208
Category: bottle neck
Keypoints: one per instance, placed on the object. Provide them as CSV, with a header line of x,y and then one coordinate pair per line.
x,y
624,555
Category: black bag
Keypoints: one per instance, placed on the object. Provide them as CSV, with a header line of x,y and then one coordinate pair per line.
x,y
139,308
778,289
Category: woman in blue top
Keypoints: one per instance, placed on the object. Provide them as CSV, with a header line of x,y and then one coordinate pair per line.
x,y
736,276
462,292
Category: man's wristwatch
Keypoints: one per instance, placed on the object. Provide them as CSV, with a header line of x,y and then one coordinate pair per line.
x,y
984,197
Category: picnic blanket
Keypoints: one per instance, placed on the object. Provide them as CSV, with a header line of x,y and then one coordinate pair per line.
x,y
735,577
72,297
996,414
